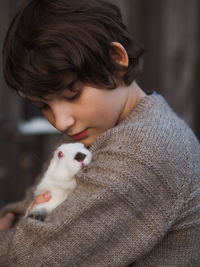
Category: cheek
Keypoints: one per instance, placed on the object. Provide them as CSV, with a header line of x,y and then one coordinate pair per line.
x,y
104,108
101,115
92,112
49,116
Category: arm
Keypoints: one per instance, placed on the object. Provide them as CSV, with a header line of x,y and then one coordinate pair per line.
x,y
101,221
119,212
83,233
12,212
19,208
8,220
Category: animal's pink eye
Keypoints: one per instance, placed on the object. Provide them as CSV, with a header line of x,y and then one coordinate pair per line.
x,y
60,154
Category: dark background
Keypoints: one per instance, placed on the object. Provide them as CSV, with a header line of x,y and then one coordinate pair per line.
x,y
169,31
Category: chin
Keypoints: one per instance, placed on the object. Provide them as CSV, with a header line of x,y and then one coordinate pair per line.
x,y
87,142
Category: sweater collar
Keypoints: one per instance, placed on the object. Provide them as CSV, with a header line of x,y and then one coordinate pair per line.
x,y
145,104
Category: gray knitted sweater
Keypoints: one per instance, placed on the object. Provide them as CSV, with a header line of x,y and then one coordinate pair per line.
x,y
137,204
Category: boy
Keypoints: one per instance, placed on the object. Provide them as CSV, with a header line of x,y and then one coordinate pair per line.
x,y
137,204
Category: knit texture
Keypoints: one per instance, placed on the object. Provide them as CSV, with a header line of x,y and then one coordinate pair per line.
x,y
137,204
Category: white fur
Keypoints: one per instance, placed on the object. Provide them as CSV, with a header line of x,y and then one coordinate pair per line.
x,y
59,178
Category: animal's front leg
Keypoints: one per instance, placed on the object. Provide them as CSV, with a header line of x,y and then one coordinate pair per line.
x,y
36,211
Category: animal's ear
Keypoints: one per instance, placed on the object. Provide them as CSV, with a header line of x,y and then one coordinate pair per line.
x,y
80,157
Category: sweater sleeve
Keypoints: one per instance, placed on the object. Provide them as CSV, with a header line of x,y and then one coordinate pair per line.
x,y
97,229
120,210
19,207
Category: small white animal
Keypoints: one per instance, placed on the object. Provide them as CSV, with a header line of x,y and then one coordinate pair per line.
x,y
59,178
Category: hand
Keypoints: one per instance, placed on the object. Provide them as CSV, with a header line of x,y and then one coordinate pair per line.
x,y
7,221
45,197
39,199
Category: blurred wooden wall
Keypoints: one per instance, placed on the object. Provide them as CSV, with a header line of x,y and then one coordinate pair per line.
x,y
169,30
22,156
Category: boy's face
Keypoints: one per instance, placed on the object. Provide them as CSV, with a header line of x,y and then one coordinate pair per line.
x,y
85,113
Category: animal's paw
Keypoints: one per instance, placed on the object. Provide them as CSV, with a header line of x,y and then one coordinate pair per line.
x,y
38,215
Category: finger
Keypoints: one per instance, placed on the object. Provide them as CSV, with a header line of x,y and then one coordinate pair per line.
x,y
45,197
39,199
10,216
7,221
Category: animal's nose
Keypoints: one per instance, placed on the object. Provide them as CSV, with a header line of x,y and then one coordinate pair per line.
x,y
80,157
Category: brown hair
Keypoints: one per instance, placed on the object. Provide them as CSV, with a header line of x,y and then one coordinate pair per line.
x,y
52,42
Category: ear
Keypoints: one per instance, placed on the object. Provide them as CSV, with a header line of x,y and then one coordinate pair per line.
x,y
119,54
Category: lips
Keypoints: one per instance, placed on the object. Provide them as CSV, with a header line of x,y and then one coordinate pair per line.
x,y
79,135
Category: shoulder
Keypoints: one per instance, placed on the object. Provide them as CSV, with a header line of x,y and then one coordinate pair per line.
x,y
155,129
152,145
151,127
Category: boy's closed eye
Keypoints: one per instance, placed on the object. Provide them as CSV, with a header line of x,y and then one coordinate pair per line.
x,y
43,106
72,93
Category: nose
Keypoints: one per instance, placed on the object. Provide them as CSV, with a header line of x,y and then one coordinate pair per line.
x,y
62,116
63,123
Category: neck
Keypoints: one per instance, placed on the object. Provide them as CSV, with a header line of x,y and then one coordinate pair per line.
x,y
134,95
